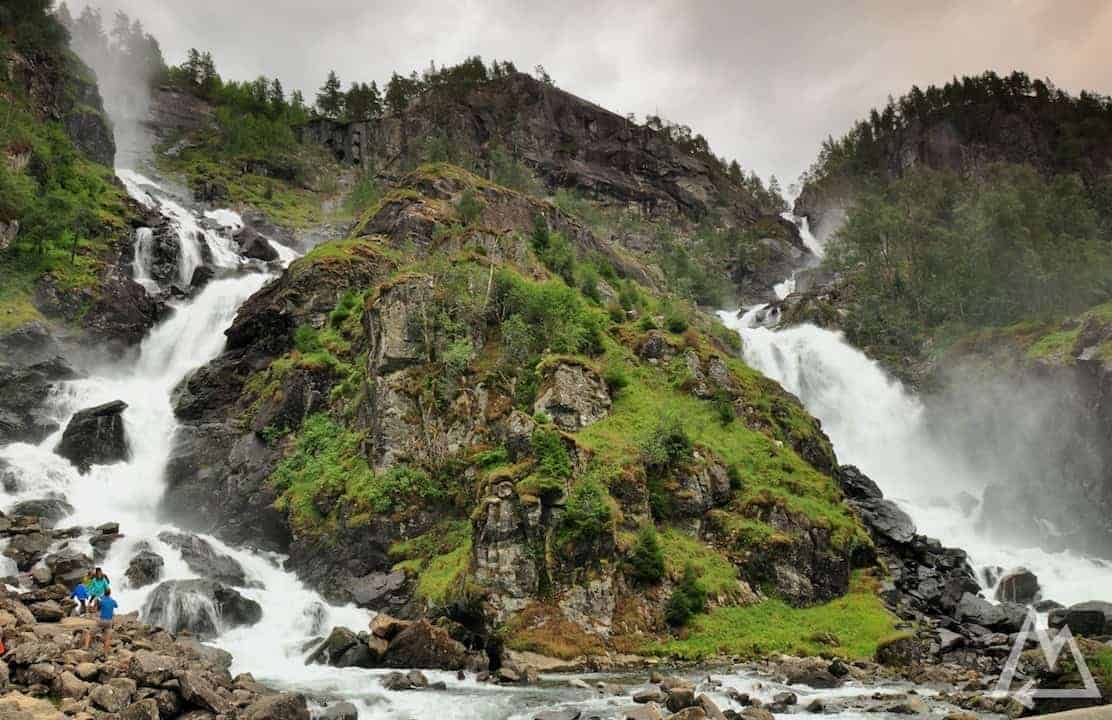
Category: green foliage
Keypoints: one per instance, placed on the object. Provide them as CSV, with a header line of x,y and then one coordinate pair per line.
x,y
615,377
350,302
469,206
555,315
675,318
646,558
724,407
439,558
588,516
934,248
552,457
850,627
669,446
492,458
688,599
364,194
555,252
326,460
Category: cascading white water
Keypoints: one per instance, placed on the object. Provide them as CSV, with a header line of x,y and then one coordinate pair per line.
x,y
144,255
874,423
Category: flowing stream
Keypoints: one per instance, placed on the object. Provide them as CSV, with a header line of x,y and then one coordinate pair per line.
x,y
876,424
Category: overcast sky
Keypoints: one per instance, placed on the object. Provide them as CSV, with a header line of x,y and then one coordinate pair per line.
x,y
765,82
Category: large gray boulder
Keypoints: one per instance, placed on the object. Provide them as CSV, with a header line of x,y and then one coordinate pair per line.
x,y
885,518
1090,618
144,569
1019,586
203,607
95,436
203,559
574,396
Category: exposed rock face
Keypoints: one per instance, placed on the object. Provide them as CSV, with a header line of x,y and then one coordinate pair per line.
x,y
204,560
23,388
255,245
1018,586
145,569
574,396
95,436
49,510
423,645
203,607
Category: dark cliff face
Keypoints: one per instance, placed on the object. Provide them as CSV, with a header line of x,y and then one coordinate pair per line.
x,y
569,142
65,90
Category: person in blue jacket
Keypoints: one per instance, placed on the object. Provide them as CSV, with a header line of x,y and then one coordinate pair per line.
x,y
81,595
105,621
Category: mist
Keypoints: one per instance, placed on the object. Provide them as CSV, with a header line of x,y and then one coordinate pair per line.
x,y
128,62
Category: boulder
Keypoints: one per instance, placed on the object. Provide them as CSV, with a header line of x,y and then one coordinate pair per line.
x,y
886,519
199,691
255,245
152,669
574,396
95,436
47,611
204,607
423,645
1018,586
144,569
285,706
142,710
341,649
111,698
1090,618
387,627
49,510
856,485
28,549
205,560
23,417
68,566
1005,617
339,711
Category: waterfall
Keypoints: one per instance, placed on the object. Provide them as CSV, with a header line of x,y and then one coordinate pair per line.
x,y
144,255
876,424
130,492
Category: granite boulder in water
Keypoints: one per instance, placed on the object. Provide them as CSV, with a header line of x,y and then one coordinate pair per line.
x,y
95,436
204,607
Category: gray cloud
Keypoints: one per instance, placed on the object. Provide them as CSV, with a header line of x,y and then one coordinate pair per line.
x,y
765,82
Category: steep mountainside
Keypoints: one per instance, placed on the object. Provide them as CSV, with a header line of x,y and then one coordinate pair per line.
x,y
647,178
432,423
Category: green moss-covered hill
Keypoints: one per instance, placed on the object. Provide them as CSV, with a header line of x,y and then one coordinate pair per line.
x,y
470,408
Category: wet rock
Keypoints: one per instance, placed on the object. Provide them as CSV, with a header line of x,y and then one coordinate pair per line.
x,y
68,566
653,694
95,436
144,569
23,417
887,519
201,606
574,396
379,589
817,678
50,510
285,706
214,656
1005,617
709,708
1045,606
342,648
856,485
560,714
205,560
1088,618
680,698
423,645
691,713
339,711
41,575
386,627
1018,586
255,245
26,550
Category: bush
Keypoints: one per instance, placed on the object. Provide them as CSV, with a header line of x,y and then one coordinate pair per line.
x,y
724,408
646,558
688,599
615,377
559,257
555,315
588,280
587,515
675,318
668,447
469,207
400,483
551,455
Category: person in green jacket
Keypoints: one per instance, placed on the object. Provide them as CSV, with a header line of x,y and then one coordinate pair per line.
x,y
98,586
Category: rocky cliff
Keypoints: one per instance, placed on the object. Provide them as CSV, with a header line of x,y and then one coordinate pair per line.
x,y
566,142
432,425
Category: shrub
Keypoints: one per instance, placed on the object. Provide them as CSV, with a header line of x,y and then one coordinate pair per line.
x,y
734,474
559,257
616,313
556,316
587,515
724,408
668,446
588,280
675,318
688,599
469,207
399,483
552,457
646,558
615,377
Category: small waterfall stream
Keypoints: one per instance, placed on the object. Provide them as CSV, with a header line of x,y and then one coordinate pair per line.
x,y
876,424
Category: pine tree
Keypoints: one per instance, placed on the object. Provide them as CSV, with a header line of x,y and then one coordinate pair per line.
x,y
330,99
277,96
